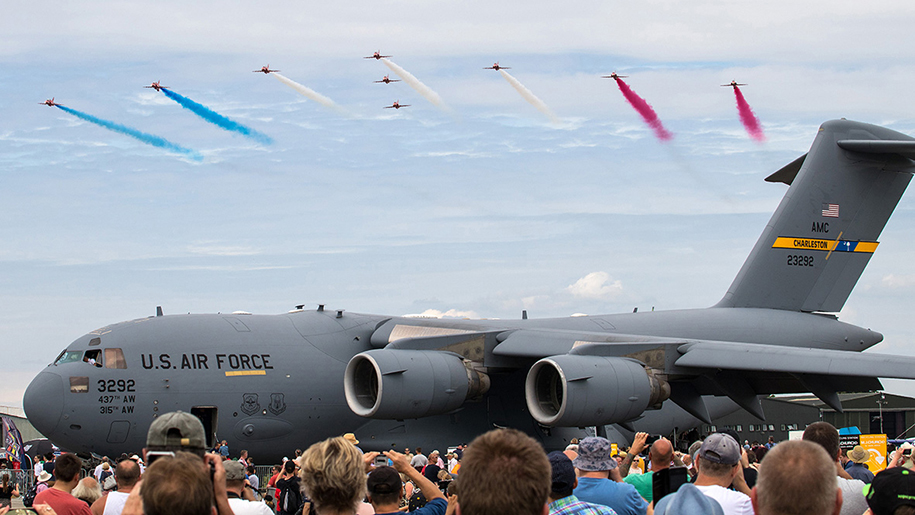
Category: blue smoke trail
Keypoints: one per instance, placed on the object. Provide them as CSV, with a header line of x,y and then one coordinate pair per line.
x,y
149,139
215,118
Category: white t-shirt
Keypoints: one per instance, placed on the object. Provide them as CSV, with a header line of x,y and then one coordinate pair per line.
x,y
243,507
731,501
114,503
853,502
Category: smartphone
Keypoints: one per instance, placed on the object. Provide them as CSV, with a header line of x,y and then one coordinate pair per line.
x,y
667,481
152,456
381,460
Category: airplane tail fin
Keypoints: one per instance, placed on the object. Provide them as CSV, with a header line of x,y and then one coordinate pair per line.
x,y
840,196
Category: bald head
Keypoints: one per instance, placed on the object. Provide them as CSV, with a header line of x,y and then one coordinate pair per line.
x,y
660,454
127,473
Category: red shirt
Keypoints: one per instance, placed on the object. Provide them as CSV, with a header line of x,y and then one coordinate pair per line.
x,y
62,502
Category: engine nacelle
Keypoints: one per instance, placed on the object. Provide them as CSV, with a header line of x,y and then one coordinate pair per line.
x,y
400,384
578,391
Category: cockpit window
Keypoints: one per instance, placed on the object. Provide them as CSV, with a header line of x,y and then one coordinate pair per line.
x,y
69,357
93,357
79,384
114,358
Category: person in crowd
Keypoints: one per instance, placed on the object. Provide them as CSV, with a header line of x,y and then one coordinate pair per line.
x,y
98,469
432,468
562,500
103,478
902,457
593,466
504,472
224,449
660,454
718,462
182,485
333,474
253,481
49,464
87,490
288,488
688,500
272,492
45,481
797,478
58,496
173,432
827,436
857,464
771,443
892,492
241,498
419,460
243,458
112,503
386,489
8,490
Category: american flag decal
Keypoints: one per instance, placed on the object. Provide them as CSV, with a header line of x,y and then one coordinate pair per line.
x,y
831,210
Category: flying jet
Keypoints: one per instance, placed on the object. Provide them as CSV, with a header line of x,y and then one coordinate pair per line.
x,y
496,66
265,70
396,105
377,55
156,86
270,383
50,103
614,76
732,84
387,80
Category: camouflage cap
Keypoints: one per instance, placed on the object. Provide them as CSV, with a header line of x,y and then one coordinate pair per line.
x,y
176,431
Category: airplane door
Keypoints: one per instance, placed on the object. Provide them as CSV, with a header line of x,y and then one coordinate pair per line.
x,y
209,416
118,431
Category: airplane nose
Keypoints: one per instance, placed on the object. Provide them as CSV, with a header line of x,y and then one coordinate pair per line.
x,y
43,402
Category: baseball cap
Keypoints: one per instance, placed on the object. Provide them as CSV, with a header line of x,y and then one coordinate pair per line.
x,y
563,472
720,448
383,480
889,490
594,455
176,430
235,471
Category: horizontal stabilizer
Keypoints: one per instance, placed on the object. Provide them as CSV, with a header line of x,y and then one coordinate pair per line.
x,y
870,146
793,360
787,173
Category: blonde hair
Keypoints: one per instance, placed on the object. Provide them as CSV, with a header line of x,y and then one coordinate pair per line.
x,y
333,475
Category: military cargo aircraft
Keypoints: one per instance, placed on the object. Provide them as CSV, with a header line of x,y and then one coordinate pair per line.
x,y
273,383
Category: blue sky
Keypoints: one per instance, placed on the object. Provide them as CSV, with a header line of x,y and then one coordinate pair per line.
x,y
486,211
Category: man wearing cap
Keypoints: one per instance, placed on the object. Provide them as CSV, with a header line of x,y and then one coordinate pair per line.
x,y
858,470
892,492
593,466
562,499
173,432
827,436
127,474
241,499
385,489
718,461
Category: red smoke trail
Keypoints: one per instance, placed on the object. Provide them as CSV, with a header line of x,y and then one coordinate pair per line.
x,y
749,120
648,114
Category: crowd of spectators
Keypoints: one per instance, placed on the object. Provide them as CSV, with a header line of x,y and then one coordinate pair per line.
x,y
501,472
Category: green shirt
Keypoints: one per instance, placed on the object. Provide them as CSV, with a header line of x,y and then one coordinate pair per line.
x,y
642,484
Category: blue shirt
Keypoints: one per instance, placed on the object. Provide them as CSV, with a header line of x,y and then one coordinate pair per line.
x,y
436,506
623,498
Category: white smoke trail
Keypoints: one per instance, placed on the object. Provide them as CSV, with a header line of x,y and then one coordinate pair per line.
x,y
309,93
420,88
530,97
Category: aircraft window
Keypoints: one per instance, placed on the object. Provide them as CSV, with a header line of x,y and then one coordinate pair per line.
x,y
69,357
93,357
95,341
114,358
79,384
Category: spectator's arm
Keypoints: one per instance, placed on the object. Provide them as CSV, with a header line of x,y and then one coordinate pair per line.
x,y
402,464
740,483
638,444
369,459
219,484
678,461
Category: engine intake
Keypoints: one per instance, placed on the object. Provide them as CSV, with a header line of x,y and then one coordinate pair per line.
x,y
578,391
400,384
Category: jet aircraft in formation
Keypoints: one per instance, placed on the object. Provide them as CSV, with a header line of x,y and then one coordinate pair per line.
x,y
271,383
386,80
50,102
496,67
265,70
156,86
732,84
396,105
377,55
614,76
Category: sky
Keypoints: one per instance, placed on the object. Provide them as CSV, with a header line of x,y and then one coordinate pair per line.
x,y
479,206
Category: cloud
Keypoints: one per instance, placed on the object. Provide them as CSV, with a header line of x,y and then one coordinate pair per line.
x,y
898,281
451,313
596,285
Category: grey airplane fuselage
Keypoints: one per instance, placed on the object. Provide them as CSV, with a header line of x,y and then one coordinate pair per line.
x,y
277,380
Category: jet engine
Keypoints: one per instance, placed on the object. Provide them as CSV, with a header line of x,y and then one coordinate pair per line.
x,y
578,391
400,384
